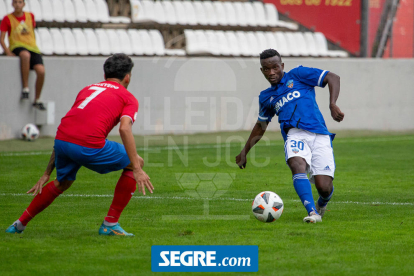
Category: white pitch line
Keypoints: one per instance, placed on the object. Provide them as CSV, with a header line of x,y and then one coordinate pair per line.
x,y
219,198
215,146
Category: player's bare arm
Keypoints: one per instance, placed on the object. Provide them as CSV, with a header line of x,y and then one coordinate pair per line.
x,y
333,82
37,188
257,133
143,180
3,45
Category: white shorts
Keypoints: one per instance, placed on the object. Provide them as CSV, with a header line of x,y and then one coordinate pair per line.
x,y
315,148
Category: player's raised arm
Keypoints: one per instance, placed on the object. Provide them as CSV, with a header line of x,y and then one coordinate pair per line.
x,y
125,130
257,133
333,82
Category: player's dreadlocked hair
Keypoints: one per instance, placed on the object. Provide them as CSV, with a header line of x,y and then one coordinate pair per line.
x,y
269,53
118,66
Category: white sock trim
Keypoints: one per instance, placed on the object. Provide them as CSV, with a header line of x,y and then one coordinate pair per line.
x,y
19,225
109,223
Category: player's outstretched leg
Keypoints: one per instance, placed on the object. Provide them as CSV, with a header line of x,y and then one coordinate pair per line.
x,y
322,202
38,204
304,190
124,190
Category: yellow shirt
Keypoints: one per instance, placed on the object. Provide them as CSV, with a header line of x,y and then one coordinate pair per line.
x,y
22,33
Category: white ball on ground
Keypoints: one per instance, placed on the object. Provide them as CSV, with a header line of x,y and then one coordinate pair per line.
x,y
267,206
30,132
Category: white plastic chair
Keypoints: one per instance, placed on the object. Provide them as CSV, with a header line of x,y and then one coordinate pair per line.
x,y
69,11
46,41
136,43
91,10
322,46
69,41
212,42
146,42
3,12
159,11
250,14
200,13
240,13
230,13
210,13
38,40
190,12
260,14
26,7
180,12
58,11
301,44
103,42
271,42
282,45
114,41
58,42
81,41
253,43
223,44
310,41
80,11
169,11
47,11
140,11
261,41
92,42
157,42
271,15
125,42
102,11
292,44
220,12
9,7
196,42
245,48
233,42
35,8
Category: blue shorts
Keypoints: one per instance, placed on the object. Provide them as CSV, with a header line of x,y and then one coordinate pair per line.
x,y
70,157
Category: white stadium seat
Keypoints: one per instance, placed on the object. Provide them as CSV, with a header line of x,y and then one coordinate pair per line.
x,y
272,17
114,41
38,40
80,10
47,11
159,11
180,12
103,42
157,42
223,43
245,49
255,49
271,41
35,8
69,11
240,13
220,13
233,43
322,46
230,13
210,13
212,41
3,11
261,41
69,41
310,41
192,46
125,42
46,41
292,45
58,11
282,45
169,11
260,14
136,43
102,11
81,41
91,10
9,7
142,11
58,42
146,42
92,42
26,7
200,13
301,43
190,12
250,14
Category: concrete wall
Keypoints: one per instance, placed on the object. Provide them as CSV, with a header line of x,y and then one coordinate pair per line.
x,y
187,95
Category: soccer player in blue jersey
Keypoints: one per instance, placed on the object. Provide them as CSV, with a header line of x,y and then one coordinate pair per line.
x,y
308,143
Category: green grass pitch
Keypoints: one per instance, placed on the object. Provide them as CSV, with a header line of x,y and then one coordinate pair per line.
x,y
368,230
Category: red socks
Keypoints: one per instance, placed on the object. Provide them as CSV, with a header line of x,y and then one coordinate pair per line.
x,y
40,202
124,190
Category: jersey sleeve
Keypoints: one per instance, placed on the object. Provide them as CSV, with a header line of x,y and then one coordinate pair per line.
x,y
310,76
33,20
265,114
5,24
131,108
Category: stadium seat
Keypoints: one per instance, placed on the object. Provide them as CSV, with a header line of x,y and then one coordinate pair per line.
x,y
93,42
114,41
58,42
80,10
81,41
69,41
46,41
36,9
159,11
192,45
220,12
250,14
245,49
233,43
142,12
9,7
322,46
224,48
47,10
212,42
91,10
240,13
272,17
180,12
69,11
301,44
3,11
148,48
190,12
292,44
260,14
169,11
38,40
136,43
26,7
200,13
271,41
253,43
103,42
157,42
125,42
261,41
102,11
282,45
210,13
230,13
58,11
311,43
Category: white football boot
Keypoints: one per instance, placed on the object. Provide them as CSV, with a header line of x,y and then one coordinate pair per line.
x,y
320,210
313,218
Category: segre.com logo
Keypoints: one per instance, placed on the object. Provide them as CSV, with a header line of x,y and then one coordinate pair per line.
x,y
205,258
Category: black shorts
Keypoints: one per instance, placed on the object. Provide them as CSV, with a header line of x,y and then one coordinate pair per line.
x,y
35,58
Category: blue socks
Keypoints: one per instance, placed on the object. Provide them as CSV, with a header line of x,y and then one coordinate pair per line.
x,y
304,191
322,201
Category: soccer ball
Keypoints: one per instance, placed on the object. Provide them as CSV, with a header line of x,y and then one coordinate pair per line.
x,y
30,132
267,206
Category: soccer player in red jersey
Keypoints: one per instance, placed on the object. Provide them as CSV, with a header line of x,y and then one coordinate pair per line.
x,y
81,141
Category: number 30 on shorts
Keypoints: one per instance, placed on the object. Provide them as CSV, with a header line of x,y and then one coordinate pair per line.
x,y
295,144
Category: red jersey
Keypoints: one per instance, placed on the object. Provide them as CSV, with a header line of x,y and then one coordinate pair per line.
x,y
97,110
5,25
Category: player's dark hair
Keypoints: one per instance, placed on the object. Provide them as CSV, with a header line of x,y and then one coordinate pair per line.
x,y
118,66
268,53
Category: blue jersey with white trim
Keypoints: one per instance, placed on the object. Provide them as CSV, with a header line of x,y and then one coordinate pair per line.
x,y
293,101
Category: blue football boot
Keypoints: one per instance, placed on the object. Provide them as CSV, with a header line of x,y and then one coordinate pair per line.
x,y
13,229
115,230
